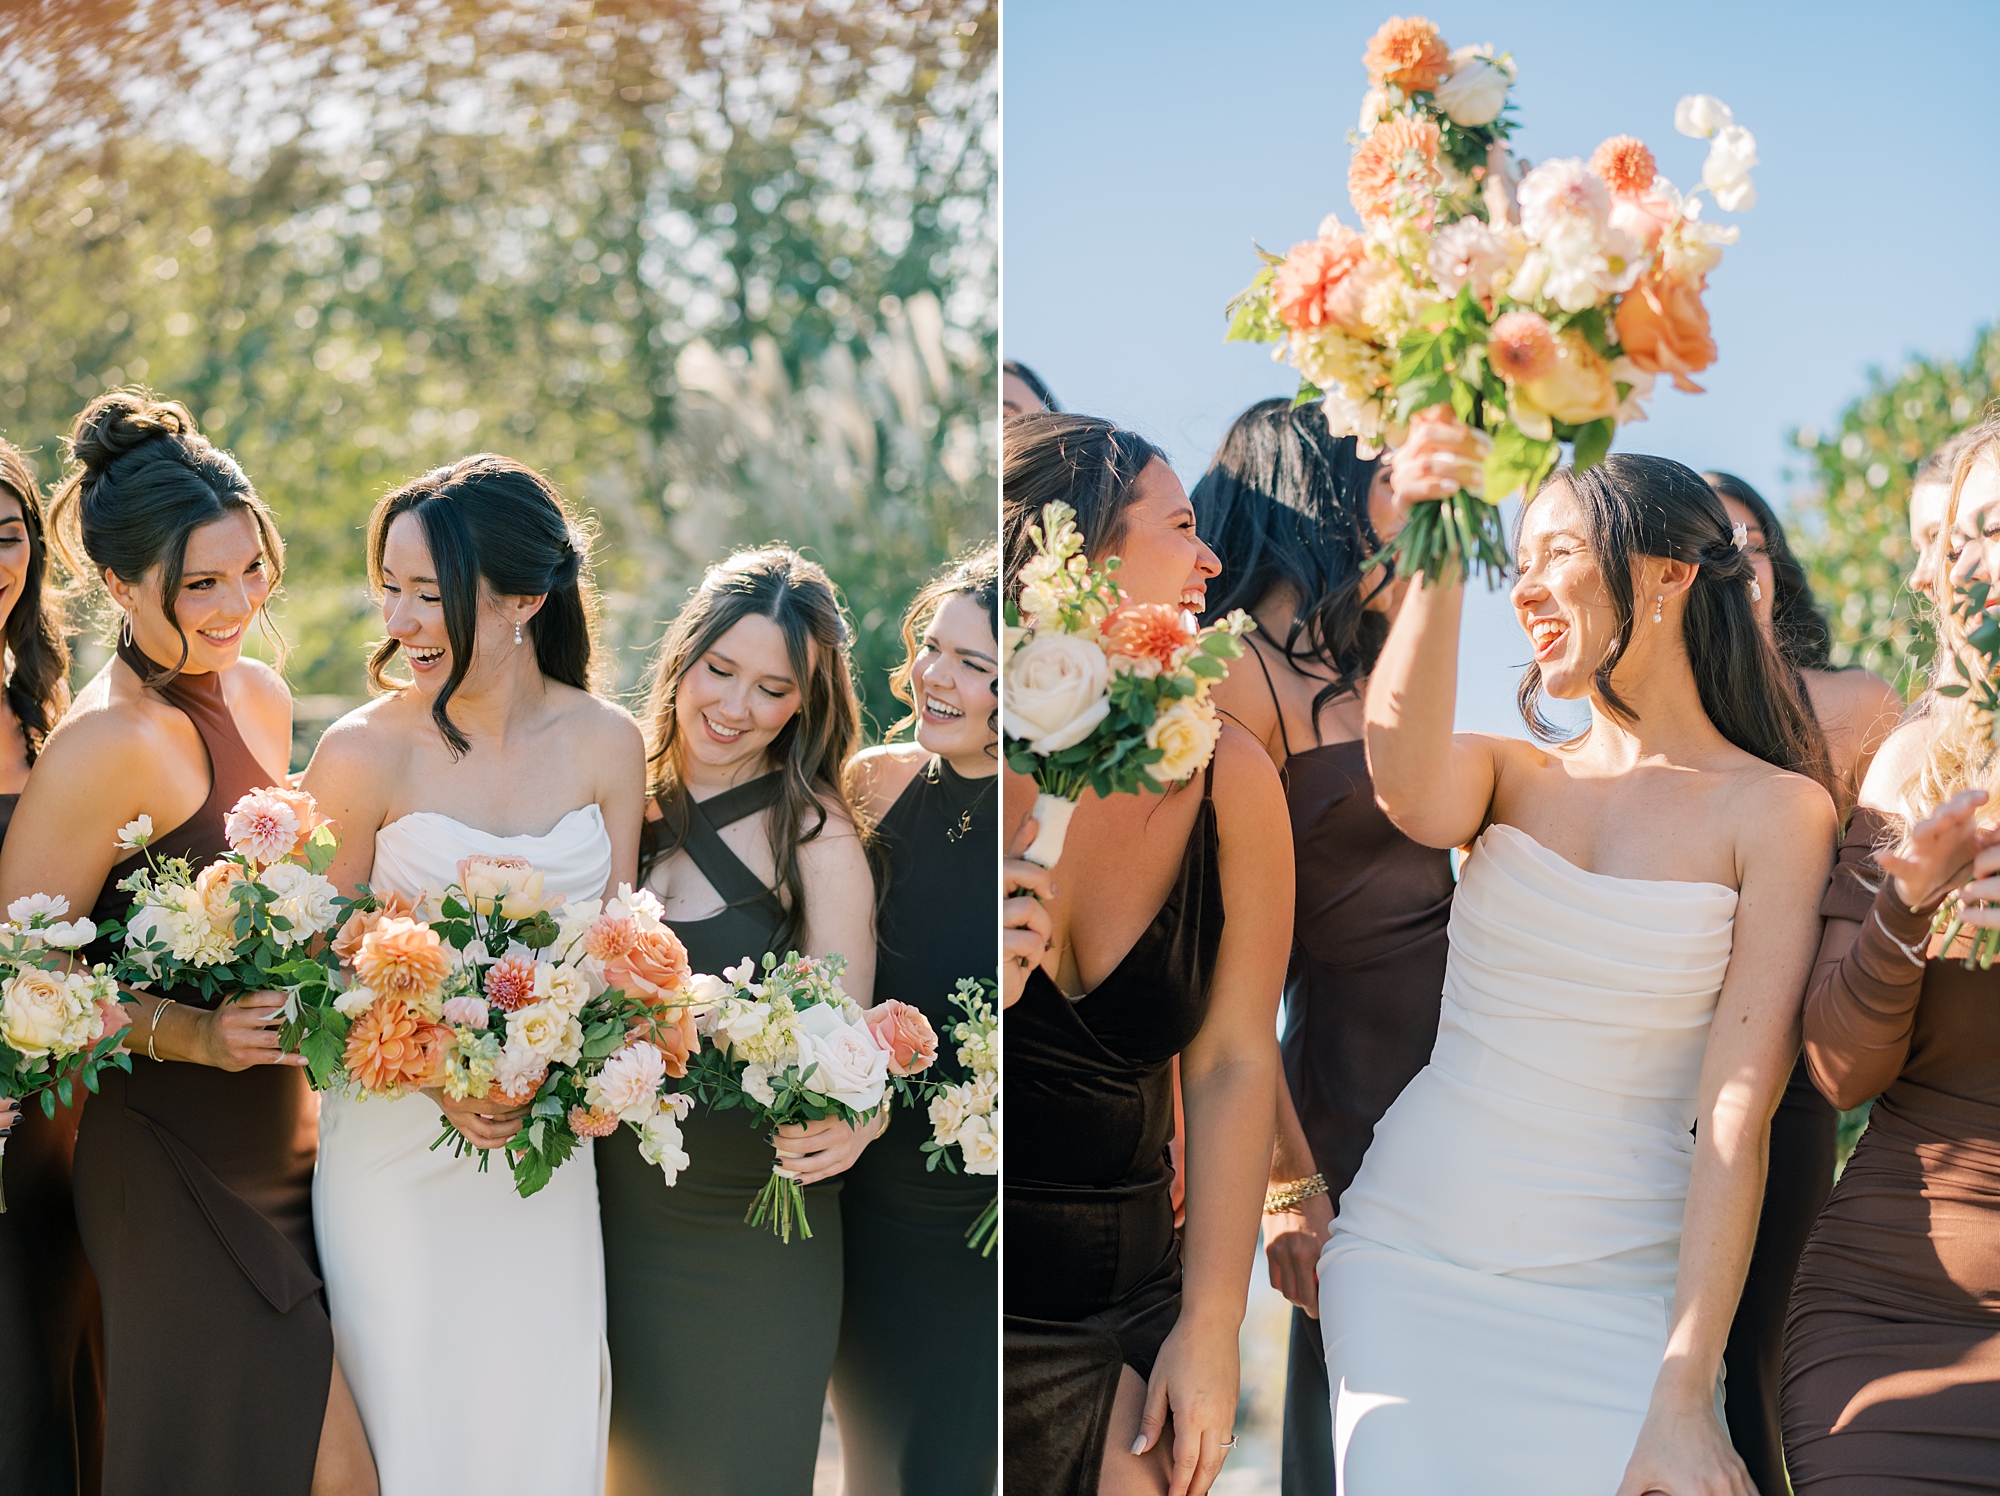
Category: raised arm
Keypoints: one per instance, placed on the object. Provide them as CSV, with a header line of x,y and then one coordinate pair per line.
x,y
1784,849
1229,1086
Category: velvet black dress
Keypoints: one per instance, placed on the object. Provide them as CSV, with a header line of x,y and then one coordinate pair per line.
x,y
194,1198
52,1371
1093,1270
1362,993
722,1336
917,1405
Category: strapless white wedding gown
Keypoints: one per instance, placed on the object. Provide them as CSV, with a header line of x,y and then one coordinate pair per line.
x,y
1496,1294
469,1322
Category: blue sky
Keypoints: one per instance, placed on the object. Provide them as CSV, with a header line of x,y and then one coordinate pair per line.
x,y
1148,142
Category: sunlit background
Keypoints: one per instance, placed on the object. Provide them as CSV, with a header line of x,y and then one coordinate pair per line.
x,y
1149,144
725,272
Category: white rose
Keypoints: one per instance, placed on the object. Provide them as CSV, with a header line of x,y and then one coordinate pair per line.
x,y
302,898
1056,692
1701,115
1476,91
979,1146
562,987
948,1111
1186,733
660,1143
849,1066
983,1095
1726,172
757,1083
354,1000
546,1031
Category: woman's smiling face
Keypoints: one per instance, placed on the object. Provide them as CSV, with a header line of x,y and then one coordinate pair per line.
x,y
737,696
1161,559
1560,597
952,680
224,586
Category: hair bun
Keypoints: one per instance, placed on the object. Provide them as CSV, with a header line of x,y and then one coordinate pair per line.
x,y
120,420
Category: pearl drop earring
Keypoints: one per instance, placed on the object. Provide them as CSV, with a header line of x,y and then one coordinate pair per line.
x,y
1659,603
517,631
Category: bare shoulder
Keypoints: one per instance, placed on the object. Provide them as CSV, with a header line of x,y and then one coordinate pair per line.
x,y
877,777
374,738
103,736
1249,796
1244,697
1782,811
261,688
1855,698
1896,764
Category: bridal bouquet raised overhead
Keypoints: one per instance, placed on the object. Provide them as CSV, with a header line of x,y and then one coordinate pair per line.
x,y
59,1025
966,1115
246,922
1536,304
1103,694
491,989
786,1042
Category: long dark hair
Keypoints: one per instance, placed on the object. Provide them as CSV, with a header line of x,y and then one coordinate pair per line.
x,y
1285,504
488,516
145,480
811,750
1033,381
976,575
1635,505
38,684
1800,628
1089,464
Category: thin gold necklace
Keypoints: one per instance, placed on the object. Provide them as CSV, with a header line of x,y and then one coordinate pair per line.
x,y
964,827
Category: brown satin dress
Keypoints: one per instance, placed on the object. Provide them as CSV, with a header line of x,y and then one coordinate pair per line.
x,y
194,1197
1892,1347
1362,994
51,1330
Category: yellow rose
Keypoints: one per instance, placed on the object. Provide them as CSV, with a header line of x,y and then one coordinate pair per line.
x,y
1185,733
1580,387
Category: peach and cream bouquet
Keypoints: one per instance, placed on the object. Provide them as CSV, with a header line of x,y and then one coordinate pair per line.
x,y
965,1114
493,989
1535,304
59,1021
247,922
787,1043
1102,693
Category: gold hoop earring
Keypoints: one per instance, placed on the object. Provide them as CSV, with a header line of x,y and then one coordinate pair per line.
x,y
1659,603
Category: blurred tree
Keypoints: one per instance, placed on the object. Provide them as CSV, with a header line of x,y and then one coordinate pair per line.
x,y
1854,518
362,239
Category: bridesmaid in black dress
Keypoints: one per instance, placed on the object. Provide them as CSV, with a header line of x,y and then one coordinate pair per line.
x,y
917,1412
52,1378
1120,1361
193,1173
1293,513
722,1337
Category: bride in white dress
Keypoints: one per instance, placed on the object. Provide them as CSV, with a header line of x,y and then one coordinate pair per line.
x,y
470,1321
1531,1279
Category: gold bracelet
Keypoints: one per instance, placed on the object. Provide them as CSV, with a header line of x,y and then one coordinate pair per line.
x,y
1283,1197
153,1029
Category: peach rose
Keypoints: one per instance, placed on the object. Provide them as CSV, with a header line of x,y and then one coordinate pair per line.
x,y
673,1033
1148,631
1579,388
1521,347
655,967
306,809
1625,165
1311,271
1409,53
510,983
510,885
1664,328
214,883
402,958
905,1035
1401,151
347,943
390,1049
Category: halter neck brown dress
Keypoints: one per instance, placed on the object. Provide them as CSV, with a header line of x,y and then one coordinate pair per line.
x,y
1362,994
194,1197
52,1371
1092,1276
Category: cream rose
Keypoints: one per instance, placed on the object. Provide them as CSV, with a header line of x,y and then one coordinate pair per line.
x,y
1185,733
979,1146
40,1014
562,987
1476,91
546,1031
1579,389
1056,692
512,885
948,1111
302,898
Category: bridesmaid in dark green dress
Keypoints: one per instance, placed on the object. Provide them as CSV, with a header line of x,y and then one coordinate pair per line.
x,y
918,1410
52,1377
722,1336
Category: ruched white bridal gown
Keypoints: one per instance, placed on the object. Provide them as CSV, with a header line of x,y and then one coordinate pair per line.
x,y
468,1321
1495,1297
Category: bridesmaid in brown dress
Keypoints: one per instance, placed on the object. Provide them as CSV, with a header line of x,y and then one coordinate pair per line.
x,y
52,1379
1293,514
1892,1347
193,1173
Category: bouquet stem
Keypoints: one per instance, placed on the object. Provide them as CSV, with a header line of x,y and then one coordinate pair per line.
x,y
784,1202
1051,813
3,1160
985,1231
1445,539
